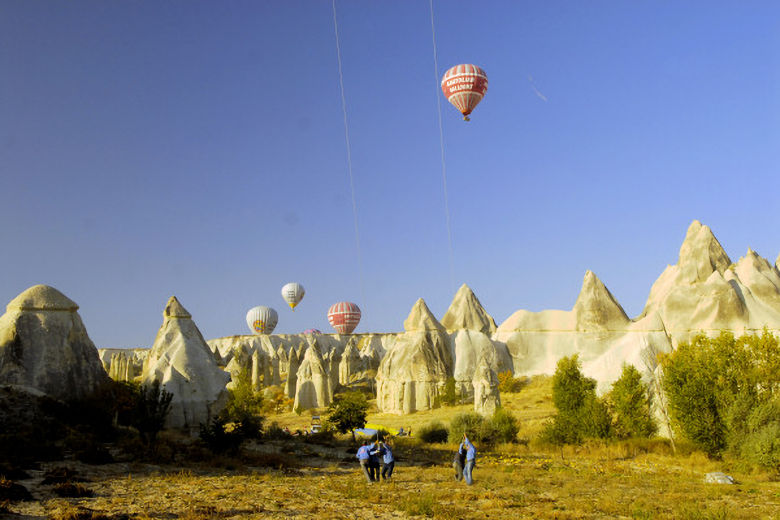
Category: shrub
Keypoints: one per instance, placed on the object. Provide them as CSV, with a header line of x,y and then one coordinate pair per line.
x,y
433,432
275,432
630,404
509,384
219,439
761,445
470,423
244,407
503,426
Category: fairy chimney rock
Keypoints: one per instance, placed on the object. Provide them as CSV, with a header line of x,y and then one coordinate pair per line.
x,y
701,254
596,308
421,319
466,312
45,346
313,384
486,396
183,364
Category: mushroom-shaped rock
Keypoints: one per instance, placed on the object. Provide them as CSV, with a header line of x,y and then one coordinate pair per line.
x,y
466,312
185,366
45,346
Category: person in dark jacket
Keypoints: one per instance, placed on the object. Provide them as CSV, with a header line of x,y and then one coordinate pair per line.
x,y
373,460
458,463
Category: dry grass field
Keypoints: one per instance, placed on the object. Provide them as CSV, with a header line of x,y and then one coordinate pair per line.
x,y
296,479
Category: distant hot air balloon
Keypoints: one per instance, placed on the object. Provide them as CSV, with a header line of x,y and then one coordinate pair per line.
x,y
262,319
312,331
464,86
293,294
344,317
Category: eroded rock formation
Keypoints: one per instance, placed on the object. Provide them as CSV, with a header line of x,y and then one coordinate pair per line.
x,y
412,373
45,346
485,382
313,385
185,366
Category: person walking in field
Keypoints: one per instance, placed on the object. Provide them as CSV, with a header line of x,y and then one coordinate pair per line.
x,y
388,461
458,463
373,460
471,459
363,458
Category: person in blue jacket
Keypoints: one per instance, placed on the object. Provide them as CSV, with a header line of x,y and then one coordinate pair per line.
x,y
363,457
471,458
387,459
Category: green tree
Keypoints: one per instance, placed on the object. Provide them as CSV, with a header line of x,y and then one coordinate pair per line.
x,y
276,401
449,395
691,379
630,404
717,388
152,406
244,407
581,413
347,412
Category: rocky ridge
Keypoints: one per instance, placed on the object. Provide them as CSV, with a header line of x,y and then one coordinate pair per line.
x,y
704,292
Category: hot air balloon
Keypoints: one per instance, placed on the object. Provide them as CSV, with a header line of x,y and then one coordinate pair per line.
x,y
293,294
464,86
344,317
262,319
312,331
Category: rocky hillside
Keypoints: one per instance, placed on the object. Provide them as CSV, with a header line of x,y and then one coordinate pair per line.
x,y
703,292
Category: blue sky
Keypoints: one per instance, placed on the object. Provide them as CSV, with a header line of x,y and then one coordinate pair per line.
x,y
197,148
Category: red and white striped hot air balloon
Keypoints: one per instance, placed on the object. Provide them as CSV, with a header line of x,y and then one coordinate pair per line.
x,y
464,86
344,317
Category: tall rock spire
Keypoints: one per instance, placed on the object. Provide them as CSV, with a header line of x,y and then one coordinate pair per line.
x,y
421,318
596,308
182,362
466,312
701,254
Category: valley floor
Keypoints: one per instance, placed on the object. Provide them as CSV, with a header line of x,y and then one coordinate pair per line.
x,y
512,482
